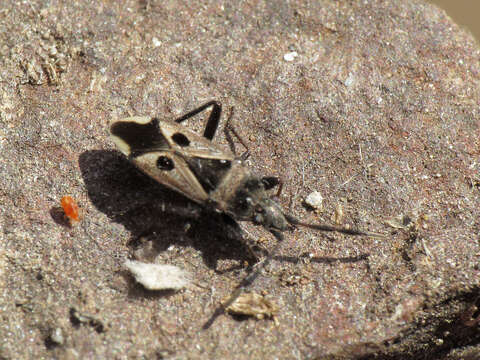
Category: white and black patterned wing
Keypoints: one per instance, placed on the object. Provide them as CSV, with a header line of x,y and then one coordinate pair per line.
x,y
143,142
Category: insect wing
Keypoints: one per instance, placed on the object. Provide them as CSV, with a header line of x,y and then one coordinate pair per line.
x,y
190,144
162,150
207,162
171,170
135,135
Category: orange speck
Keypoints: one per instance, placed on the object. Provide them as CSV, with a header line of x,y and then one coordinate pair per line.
x,y
70,207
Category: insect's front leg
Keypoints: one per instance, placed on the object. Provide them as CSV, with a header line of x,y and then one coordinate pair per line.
x,y
270,182
213,119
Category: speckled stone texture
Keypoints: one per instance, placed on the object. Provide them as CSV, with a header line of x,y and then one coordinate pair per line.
x,y
378,111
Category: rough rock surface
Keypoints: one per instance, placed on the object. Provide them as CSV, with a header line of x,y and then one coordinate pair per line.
x,y
378,111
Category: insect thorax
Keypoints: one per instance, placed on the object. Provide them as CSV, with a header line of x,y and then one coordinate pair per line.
x,y
242,195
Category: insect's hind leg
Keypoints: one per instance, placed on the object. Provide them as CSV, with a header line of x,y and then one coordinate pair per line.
x,y
229,127
213,119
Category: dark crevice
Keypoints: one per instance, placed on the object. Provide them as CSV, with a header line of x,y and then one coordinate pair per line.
x,y
437,336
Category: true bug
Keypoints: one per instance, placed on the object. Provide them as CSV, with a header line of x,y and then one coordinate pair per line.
x,y
208,174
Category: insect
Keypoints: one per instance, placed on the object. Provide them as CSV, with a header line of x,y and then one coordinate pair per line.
x,y
70,207
208,174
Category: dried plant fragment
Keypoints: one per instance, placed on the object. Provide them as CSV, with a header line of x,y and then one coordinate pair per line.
x,y
255,305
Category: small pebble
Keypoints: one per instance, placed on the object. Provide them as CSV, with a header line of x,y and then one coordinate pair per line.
x,y
290,56
315,200
57,336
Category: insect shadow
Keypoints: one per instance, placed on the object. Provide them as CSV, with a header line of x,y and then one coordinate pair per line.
x,y
58,215
152,212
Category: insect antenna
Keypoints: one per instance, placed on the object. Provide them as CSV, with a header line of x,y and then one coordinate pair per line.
x,y
332,228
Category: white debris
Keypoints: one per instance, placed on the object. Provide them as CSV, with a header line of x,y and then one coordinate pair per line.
x,y
57,336
349,80
338,215
156,42
158,276
315,200
290,56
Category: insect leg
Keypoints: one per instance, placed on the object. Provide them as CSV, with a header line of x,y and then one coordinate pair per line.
x,y
247,281
229,127
269,182
250,278
213,119
280,188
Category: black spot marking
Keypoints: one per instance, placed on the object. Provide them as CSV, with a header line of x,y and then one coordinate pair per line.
x,y
141,138
180,139
165,163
